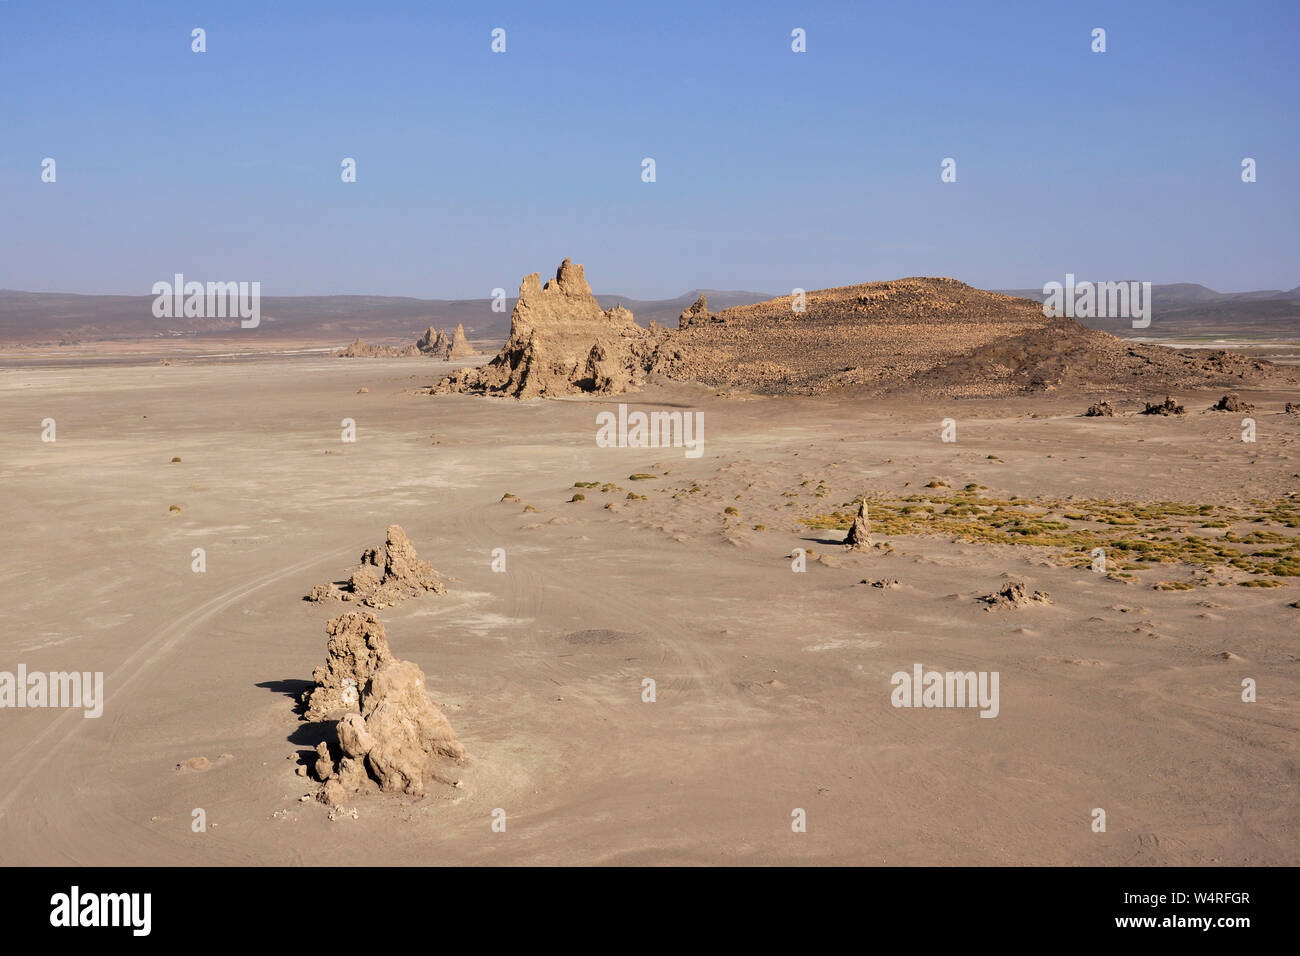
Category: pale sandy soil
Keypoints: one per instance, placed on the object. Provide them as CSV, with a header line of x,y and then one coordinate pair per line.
x,y
773,687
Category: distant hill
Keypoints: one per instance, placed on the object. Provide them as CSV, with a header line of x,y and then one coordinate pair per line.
x,y
27,318
1189,310
53,317
932,336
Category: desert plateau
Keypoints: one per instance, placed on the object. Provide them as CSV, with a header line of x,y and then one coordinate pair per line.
x,y
535,579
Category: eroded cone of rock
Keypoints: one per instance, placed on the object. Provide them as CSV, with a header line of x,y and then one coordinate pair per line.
x,y
554,331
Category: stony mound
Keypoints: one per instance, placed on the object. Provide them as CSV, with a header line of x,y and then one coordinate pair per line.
x,y
1167,407
872,335
1232,402
388,733
561,343
1014,595
360,349
387,575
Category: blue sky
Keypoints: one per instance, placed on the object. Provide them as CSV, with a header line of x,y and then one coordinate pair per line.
x,y
774,169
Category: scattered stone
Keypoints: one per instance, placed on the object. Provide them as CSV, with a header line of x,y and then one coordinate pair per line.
x,y
1015,594
889,583
1167,407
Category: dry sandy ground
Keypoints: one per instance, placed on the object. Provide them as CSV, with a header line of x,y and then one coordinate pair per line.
x,y
773,687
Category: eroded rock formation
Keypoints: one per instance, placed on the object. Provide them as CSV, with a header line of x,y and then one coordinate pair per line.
x,y
386,576
360,349
459,346
859,536
388,733
1167,407
1232,402
561,343
1015,594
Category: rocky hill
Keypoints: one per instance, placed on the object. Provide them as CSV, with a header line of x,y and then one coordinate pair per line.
x,y
927,335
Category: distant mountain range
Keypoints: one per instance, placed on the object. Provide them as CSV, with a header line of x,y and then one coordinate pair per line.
x,y
28,318
55,317
1182,293
1189,310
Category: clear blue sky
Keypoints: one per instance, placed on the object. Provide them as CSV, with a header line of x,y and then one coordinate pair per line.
x,y
775,169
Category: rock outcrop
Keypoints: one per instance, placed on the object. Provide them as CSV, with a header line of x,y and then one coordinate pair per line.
x,y
356,650
388,733
561,343
459,346
1167,407
859,536
433,342
1100,410
697,313
437,344
1232,402
360,349
387,575
924,336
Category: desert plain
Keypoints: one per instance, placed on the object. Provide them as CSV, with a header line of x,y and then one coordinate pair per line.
x,y
772,684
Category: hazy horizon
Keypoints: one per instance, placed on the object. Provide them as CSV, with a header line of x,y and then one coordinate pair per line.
x,y
513,292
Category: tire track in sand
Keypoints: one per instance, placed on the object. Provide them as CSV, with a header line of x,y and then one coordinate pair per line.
x,y
19,773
